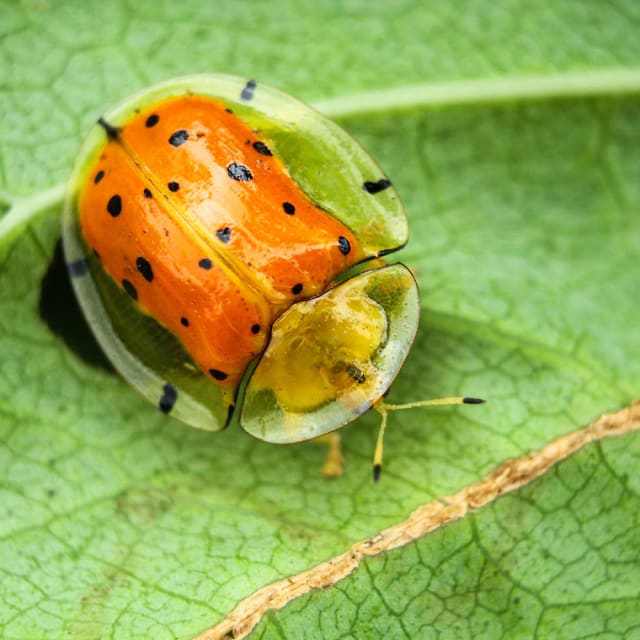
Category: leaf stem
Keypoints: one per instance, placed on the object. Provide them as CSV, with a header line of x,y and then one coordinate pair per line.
x,y
24,210
605,82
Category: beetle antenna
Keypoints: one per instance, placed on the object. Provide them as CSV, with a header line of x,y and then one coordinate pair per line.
x,y
383,409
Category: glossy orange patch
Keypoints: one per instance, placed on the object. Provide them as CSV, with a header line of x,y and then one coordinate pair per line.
x,y
192,214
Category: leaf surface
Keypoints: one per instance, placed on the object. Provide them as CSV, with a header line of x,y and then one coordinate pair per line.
x,y
511,133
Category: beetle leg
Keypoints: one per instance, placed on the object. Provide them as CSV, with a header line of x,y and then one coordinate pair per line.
x,y
334,462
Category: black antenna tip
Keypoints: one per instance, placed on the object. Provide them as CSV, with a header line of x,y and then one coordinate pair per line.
x,y
473,401
111,131
377,470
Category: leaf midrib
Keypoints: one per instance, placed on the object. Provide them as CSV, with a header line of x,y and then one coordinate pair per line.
x,y
484,91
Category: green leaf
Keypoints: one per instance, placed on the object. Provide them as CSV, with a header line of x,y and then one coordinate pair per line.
x,y
557,559
511,133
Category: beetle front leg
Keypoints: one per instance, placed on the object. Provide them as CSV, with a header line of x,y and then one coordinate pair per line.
x,y
334,462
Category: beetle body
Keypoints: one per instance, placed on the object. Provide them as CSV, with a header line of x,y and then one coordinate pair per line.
x,y
214,226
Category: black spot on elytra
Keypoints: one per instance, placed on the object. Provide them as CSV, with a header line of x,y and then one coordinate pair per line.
x,y
144,267
248,91
205,264
168,398
98,176
217,374
344,245
262,148
114,206
297,288
173,186
289,209
224,235
376,187
239,172
255,328
152,120
130,289
178,137
147,193
184,321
